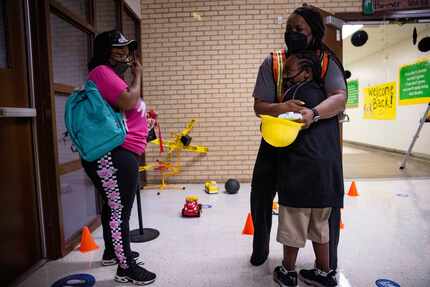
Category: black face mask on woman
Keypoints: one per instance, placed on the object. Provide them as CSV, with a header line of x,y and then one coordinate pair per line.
x,y
120,68
295,41
120,65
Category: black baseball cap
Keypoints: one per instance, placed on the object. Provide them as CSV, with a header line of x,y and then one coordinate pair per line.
x,y
114,38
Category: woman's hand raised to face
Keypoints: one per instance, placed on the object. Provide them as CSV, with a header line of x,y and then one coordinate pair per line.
x,y
130,98
136,68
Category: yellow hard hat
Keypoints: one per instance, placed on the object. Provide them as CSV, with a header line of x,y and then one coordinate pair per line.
x,y
279,132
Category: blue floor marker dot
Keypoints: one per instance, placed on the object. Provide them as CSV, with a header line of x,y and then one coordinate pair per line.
x,y
386,283
78,280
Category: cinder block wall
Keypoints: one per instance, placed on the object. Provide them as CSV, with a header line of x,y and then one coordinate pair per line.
x,y
200,60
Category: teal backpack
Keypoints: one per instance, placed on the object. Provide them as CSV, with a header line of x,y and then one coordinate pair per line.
x,y
92,124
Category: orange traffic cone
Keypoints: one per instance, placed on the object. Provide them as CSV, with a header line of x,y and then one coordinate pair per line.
x,y
341,225
275,208
249,226
353,190
87,241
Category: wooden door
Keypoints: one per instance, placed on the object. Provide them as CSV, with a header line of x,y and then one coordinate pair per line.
x,y
20,240
333,39
333,33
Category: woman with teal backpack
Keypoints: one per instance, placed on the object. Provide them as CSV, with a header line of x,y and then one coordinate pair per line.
x,y
115,174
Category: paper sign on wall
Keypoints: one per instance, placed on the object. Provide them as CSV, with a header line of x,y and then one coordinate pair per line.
x,y
352,94
380,102
414,87
399,5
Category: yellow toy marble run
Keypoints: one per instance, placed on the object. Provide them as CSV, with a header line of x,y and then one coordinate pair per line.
x,y
171,165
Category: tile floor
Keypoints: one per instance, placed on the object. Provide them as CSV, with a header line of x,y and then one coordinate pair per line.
x,y
386,235
363,162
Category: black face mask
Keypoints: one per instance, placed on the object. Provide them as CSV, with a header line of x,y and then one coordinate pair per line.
x,y
295,41
120,68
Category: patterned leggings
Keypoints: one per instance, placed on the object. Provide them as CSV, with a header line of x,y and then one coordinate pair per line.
x,y
115,176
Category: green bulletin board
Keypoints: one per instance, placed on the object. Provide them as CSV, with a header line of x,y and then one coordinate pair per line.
x,y
414,85
352,94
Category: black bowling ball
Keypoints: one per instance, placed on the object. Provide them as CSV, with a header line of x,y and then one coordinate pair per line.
x,y
232,186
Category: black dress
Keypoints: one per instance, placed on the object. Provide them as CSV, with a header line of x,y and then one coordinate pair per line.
x,y
310,169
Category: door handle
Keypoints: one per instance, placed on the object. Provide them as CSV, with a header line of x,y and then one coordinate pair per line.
x,y
6,112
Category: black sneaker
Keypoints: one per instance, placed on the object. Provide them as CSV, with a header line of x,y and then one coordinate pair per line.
x,y
110,259
135,274
285,278
316,277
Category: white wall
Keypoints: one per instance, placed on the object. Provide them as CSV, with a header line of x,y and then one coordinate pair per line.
x,y
380,67
135,6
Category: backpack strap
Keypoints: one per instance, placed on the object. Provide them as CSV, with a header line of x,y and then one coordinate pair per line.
x,y
324,64
279,58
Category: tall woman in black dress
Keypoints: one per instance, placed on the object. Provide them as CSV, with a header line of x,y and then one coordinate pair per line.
x,y
305,30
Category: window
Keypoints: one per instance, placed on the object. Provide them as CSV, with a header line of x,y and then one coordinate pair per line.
x,y
70,43
3,47
78,199
130,31
79,7
129,25
105,15
69,53
64,144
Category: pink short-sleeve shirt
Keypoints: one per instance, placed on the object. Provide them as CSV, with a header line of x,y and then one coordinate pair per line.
x,y
111,86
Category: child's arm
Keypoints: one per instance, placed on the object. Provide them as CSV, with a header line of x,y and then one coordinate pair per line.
x,y
275,109
328,108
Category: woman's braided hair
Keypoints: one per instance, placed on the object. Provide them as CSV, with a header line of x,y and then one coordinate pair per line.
x,y
315,21
313,18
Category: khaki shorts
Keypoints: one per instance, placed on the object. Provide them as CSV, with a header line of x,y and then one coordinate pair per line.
x,y
298,224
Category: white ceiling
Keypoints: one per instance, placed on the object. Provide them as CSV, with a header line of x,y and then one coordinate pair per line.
x,y
381,37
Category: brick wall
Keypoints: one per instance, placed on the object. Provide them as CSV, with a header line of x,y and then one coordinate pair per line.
x,y
200,60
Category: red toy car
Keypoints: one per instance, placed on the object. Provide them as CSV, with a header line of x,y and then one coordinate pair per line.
x,y
191,207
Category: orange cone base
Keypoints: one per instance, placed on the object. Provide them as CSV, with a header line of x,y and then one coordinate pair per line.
x,y
87,241
248,229
353,190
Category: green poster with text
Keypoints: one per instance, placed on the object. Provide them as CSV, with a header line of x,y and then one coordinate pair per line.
x,y
414,86
352,94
